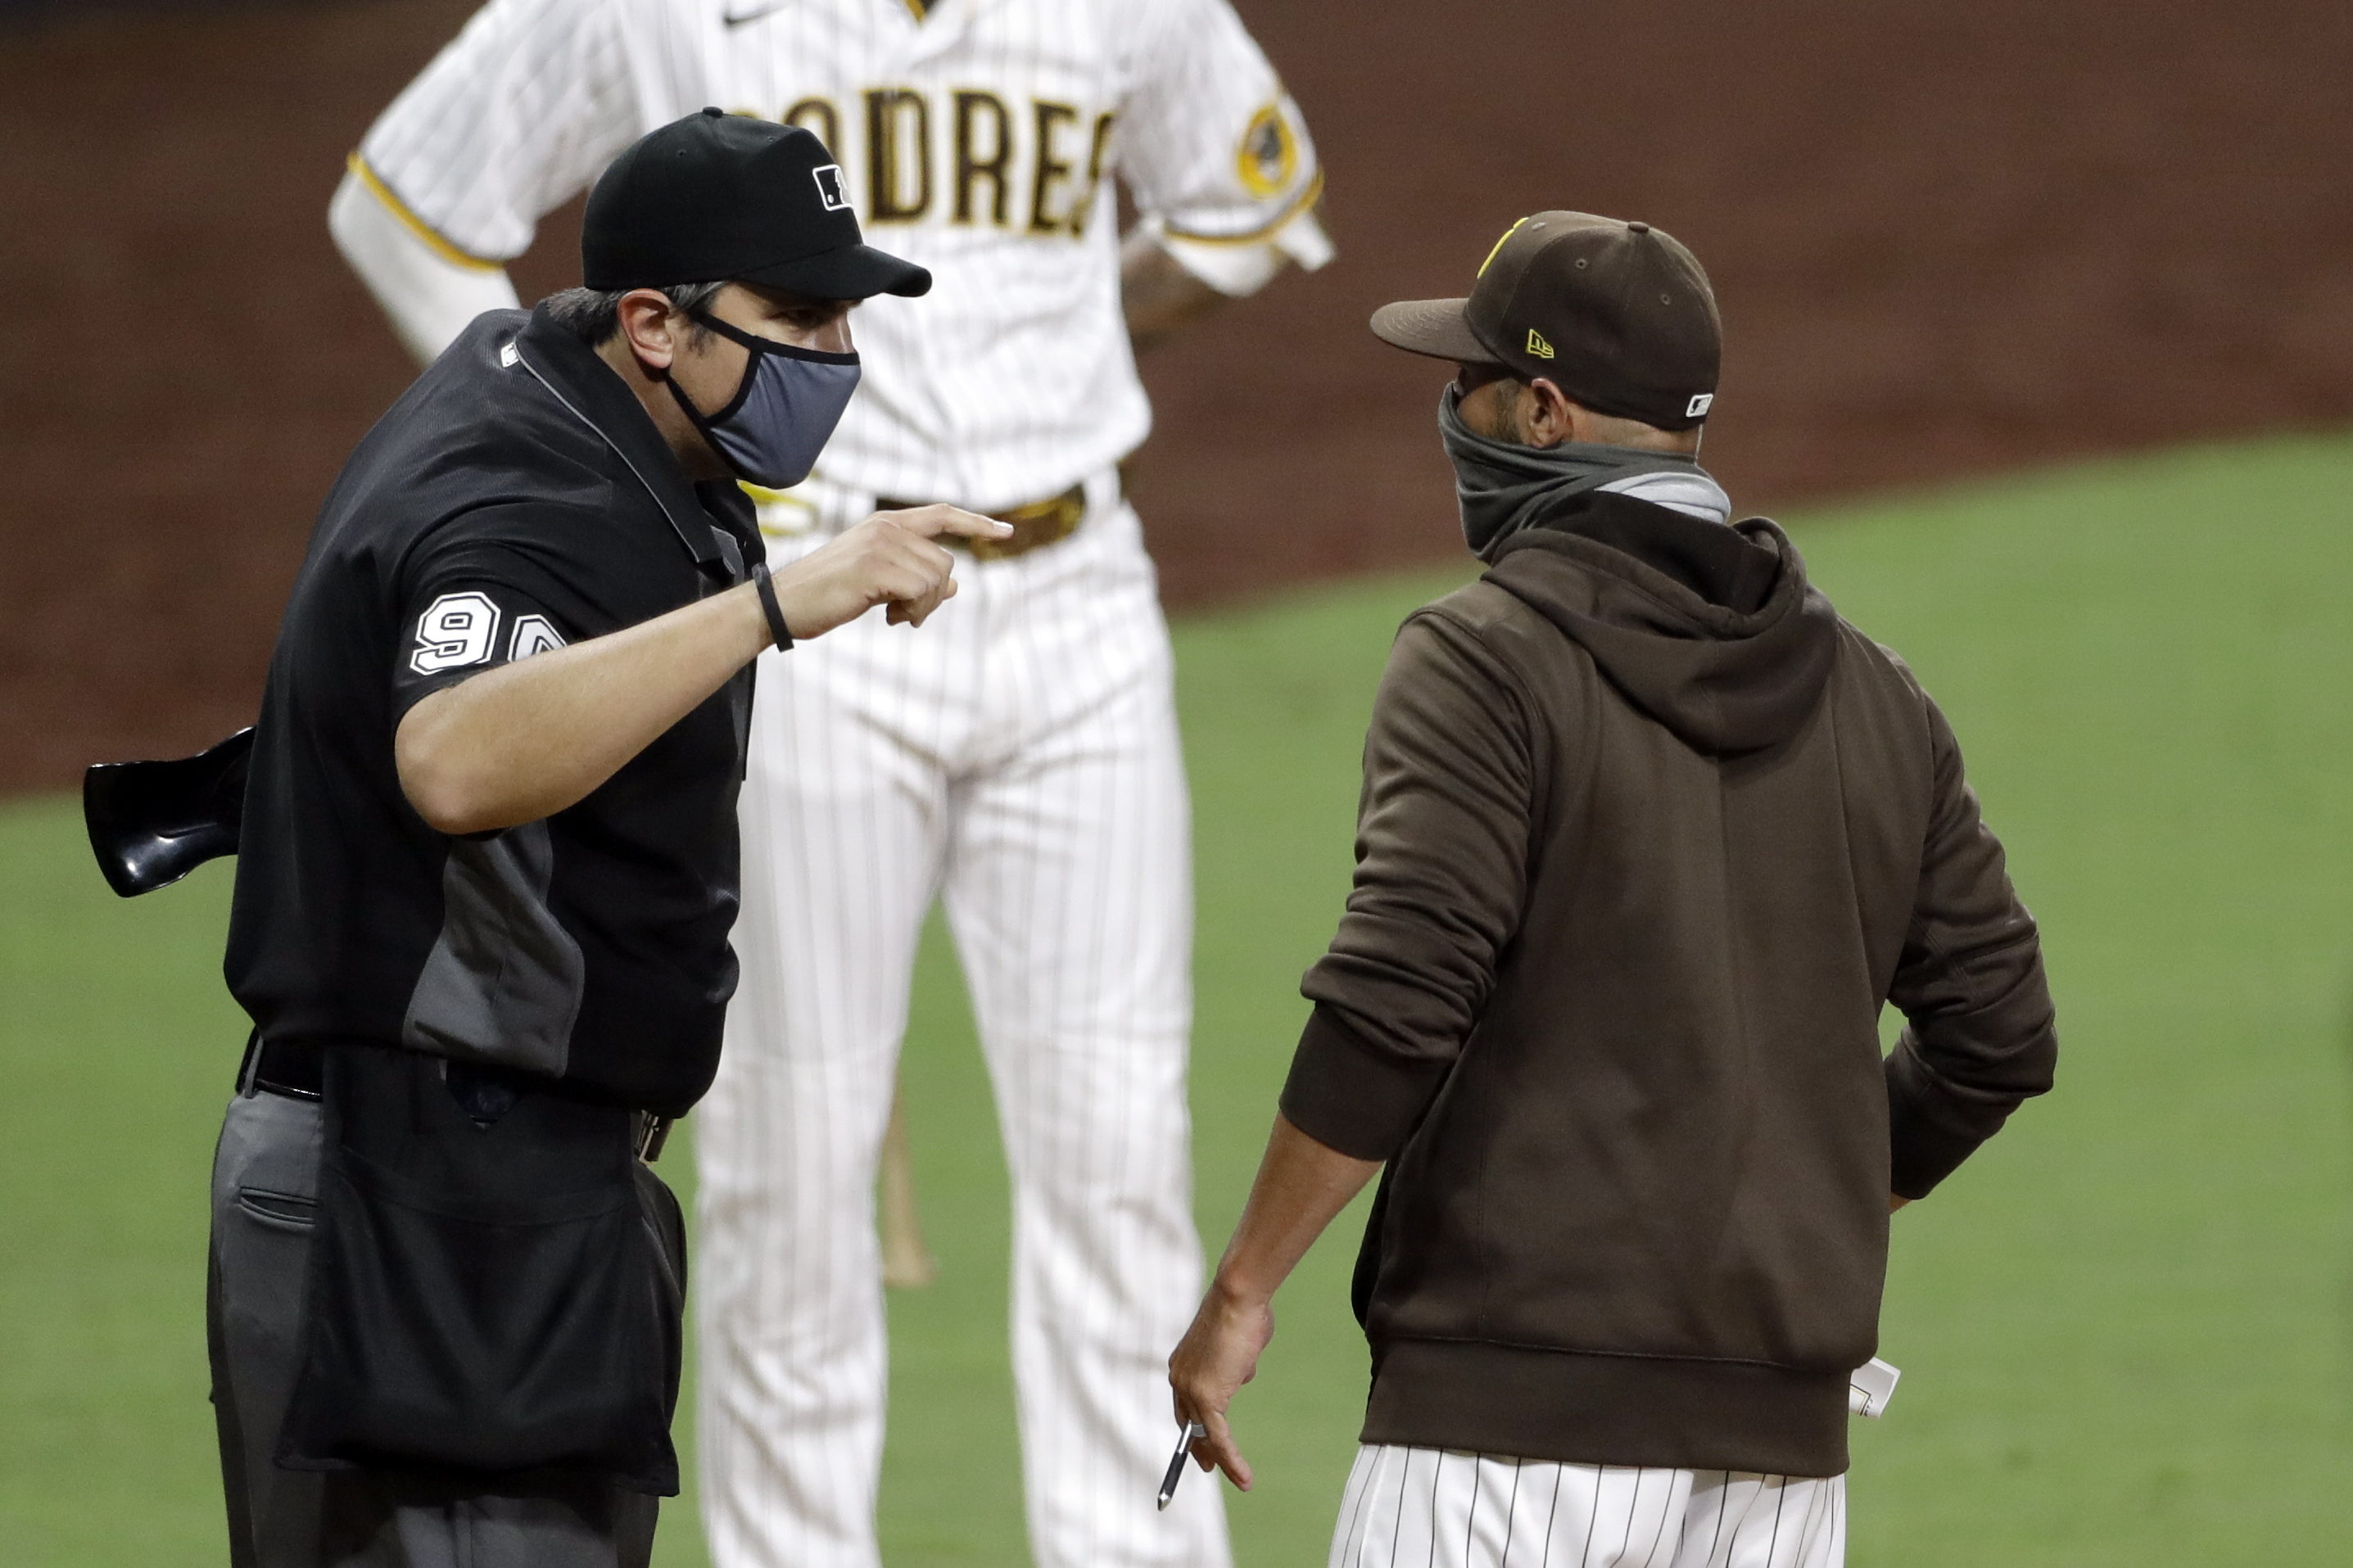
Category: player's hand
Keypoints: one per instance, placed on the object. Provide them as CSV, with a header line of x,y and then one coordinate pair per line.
x,y
1218,1354
892,558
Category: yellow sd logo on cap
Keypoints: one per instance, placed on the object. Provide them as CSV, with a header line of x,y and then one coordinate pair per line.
x,y
1498,246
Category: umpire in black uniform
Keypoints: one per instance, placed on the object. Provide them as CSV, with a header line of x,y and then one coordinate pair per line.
x,y
488,864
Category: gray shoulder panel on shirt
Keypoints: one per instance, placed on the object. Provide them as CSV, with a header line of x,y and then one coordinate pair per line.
x,y
503,982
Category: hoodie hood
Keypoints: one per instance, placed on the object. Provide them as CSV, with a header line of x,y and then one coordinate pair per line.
x,y
1712,631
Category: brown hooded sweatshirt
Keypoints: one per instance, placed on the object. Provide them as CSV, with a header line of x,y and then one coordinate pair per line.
x,y
1648,835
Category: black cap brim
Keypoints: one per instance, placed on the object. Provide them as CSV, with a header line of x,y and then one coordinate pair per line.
x,y
1437,328
852,272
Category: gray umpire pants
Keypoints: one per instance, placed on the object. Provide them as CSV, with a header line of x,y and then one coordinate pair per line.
x,y
265,1191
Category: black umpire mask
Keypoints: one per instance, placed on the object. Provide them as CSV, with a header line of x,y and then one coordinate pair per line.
x,y
783,411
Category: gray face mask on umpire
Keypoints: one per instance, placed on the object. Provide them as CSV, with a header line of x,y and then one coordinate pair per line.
x,y
783,411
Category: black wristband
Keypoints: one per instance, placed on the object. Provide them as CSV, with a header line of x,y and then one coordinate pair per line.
x,y
782,633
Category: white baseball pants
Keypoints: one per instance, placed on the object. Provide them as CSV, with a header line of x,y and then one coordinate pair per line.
x,y
1018,757
1438,1509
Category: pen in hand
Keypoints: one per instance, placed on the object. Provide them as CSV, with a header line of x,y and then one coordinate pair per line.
x,y
1176,1461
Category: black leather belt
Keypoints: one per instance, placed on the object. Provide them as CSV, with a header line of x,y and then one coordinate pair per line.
x,y
279,1066
294,1069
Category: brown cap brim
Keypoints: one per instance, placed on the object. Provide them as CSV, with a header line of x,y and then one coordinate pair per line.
x,y
1434,327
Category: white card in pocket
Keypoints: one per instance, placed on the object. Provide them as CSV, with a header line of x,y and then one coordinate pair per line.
x,y
1868,1388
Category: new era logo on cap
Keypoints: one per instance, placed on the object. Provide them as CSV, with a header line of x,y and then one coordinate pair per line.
x,y
1537,346
829,188
1699,404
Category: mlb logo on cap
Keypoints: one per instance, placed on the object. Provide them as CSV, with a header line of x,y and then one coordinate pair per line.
x,y
829,188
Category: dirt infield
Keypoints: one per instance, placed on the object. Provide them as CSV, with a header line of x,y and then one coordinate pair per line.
x,y
1947,238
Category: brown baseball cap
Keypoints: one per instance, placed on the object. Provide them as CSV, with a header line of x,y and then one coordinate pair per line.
x,y
1618,315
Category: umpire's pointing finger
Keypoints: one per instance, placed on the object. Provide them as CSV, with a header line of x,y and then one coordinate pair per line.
x,y
938,519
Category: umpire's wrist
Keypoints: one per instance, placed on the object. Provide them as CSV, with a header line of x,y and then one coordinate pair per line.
x,y
763,588
746,623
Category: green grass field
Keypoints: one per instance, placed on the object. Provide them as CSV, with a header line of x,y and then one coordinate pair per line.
x,y
2124,1327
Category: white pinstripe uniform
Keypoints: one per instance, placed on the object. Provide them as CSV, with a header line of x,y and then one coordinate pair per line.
x,y
1437,1509
1446,1509
1018,757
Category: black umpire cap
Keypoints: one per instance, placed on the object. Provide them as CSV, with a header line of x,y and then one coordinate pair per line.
x,y
719,198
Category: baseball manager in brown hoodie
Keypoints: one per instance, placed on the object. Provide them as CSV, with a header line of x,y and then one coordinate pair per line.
x,y
1649,834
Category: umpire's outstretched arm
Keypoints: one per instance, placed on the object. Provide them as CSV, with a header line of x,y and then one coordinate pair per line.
x,y
525,739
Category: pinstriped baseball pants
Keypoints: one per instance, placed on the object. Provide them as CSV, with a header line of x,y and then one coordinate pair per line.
x,y
1438,1509
1015,757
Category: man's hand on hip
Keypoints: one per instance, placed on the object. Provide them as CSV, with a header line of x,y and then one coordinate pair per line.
x,y
890,559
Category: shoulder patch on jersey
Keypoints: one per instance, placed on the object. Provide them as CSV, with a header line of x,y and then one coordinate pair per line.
x,y
1268,154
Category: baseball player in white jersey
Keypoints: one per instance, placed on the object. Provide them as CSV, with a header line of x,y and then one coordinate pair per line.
x,y
1022,762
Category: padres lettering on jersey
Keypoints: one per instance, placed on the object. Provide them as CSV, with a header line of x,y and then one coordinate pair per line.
x,y
978,139
990,154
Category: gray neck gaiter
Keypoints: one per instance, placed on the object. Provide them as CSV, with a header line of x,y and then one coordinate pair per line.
x,y
1503,488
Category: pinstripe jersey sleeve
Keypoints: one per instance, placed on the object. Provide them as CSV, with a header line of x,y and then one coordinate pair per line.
x,y
1210,145
520,110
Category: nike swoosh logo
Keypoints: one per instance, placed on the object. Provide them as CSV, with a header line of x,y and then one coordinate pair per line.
x,y
737,18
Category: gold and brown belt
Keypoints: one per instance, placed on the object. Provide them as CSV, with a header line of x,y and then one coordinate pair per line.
x,y
1035,526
